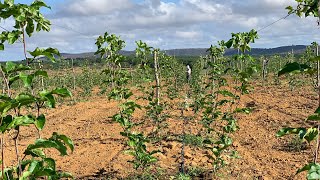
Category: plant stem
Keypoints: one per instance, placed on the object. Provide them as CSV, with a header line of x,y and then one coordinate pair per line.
x,y
318,86
318,74
24,45
156,71
182,167
17,152
2,155
317,148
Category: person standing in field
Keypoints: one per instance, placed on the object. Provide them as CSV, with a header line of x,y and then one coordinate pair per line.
x,y
188,73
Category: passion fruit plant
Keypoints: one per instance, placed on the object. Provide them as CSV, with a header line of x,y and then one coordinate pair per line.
x,y
306,8
220,104
24,108
109,47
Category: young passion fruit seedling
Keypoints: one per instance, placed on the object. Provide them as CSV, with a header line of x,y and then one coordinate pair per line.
x,y
109,47
214,101
24,108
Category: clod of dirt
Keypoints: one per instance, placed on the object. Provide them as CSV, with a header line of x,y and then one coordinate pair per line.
x,y
251,104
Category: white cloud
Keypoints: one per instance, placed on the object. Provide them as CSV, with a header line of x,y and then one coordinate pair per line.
x,y
188,34
93,7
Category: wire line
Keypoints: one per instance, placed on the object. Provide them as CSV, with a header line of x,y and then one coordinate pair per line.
x,y
274,22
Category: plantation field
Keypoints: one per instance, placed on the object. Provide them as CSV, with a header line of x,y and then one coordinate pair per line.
x,y
153,116
99,146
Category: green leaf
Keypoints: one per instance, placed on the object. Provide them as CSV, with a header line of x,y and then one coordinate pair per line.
x,y
13,79
229,43
5,107
30,27
40,73
63,92
24,99
35,153
243,110
51,101
286,131
49,53
40,122
13,68
25,175
63,175
13,36
39,3
311,134
5,123
293,67
10,66
26,79
227,93
9,2
49,162
65,139
313,171
314,117
34,167
21,121
315,59
43,143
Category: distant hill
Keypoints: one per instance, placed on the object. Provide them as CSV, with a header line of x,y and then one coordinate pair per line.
x,y
297,49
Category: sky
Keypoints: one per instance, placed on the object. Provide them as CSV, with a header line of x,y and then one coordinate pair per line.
x,y
164,24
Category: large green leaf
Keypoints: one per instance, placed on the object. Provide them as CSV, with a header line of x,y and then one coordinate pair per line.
x,y
229,43
5,107
35,153
5,123
58,142
314,117
315,59
10,66
40,122
304,133
50,100
13,36
50,163
24,99
39,3
313,171
28,78
30,27
285,131
13,79
34,167
63,92
65,139
293,67
21,121
43,143
311,134
50,53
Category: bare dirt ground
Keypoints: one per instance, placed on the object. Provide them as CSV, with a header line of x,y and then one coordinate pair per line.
x,y
99,146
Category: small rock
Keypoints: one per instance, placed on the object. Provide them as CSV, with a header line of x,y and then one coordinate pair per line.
x,y
187,155
172,145
235,144
194,164
251,104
